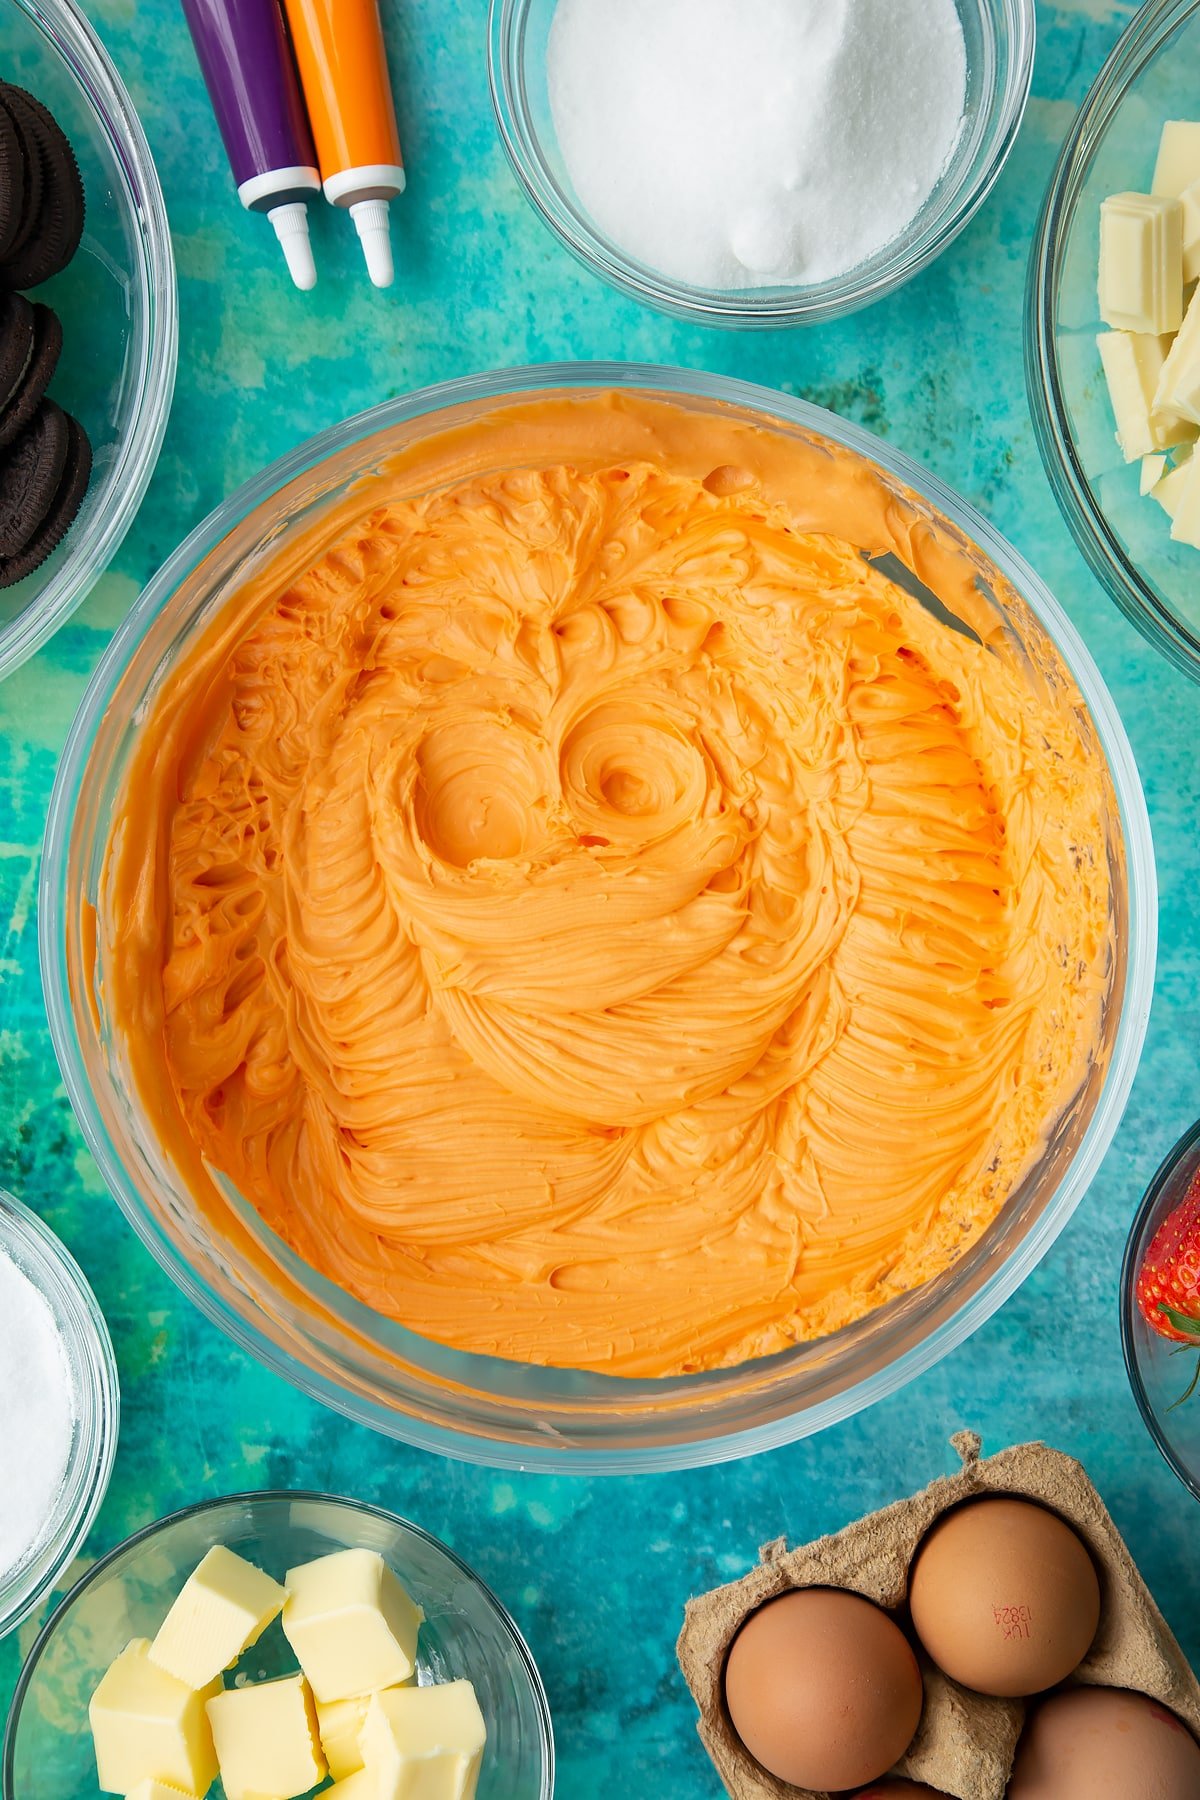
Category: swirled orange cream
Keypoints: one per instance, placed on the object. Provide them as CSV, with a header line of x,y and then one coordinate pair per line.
x,y
592,913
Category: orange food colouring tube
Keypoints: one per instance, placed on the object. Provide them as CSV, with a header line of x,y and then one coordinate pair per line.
x,y
343,69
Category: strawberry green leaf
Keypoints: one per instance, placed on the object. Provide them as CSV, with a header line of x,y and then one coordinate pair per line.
x,y
1193,1384
1180,1321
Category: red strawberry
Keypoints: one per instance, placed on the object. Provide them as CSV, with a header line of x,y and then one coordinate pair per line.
x,y
1168,1283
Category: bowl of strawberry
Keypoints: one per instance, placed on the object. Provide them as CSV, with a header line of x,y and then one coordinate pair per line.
x,y
1160,1309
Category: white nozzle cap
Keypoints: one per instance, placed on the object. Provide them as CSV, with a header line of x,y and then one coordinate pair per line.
x,y
371,220
291,228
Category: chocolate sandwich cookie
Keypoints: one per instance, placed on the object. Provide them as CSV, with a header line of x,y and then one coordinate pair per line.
x,y
39,370
68,498
15,105
30,471
17,338
12,181
53,237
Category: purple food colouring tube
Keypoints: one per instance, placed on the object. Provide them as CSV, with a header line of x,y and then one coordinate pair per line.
x,y
247,65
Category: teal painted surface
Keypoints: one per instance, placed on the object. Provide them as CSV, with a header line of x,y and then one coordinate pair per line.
x,y
596,1572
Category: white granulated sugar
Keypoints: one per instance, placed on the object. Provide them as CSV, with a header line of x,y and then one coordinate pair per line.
x,y
37,1415
745,143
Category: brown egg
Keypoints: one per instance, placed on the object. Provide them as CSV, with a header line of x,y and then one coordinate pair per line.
x,y
1004,1597
1092,1742
900,1790
823,1689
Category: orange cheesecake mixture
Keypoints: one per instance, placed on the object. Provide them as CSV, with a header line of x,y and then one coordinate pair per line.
x,y
595,916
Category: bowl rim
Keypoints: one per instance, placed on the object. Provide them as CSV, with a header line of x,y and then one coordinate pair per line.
x,y
65,26
98,1406
1186,1146
1140,602
251,1498
784,306
540,1448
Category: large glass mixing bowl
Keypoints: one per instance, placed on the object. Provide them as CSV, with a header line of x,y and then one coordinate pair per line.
x,y
485,1409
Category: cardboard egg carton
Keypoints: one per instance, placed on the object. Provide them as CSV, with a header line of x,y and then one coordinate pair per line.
x,y
966,1742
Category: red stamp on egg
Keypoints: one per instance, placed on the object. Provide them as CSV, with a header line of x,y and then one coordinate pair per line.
x,y
1013,1621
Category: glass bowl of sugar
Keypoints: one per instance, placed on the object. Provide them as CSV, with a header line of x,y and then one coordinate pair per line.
x,y
777,163
58,1402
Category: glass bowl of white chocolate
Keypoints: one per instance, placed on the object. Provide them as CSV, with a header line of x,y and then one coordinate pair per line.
x,y
1113,330
281,1643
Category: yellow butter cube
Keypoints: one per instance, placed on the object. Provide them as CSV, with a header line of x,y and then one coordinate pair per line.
x,y
425,1743
359,1786
266,1739
351,1624
149,1727
223,1608
340,1723
157,1790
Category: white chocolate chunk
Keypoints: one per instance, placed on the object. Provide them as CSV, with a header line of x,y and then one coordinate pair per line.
x,y
1177,434
1141,263
147,1726
223,1608
1178,389
1178,164
1190,202
1169,491
1153,470
266,1739
1185,512
1133,366
1177,177
154,1790
425,1743
351,1624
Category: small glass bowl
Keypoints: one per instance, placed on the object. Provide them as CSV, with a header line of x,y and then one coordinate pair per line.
x,y
1160,1370
39,1256
117,303
467,1634
1000,38
1126,538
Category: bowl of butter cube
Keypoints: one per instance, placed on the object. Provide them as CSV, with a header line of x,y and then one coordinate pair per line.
x,y
278,1645
1113,328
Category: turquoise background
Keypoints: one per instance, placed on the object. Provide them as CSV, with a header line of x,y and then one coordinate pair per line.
x,y
596,1572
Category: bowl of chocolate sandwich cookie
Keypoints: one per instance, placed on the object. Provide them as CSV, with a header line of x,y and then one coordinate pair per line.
x,y
88,329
